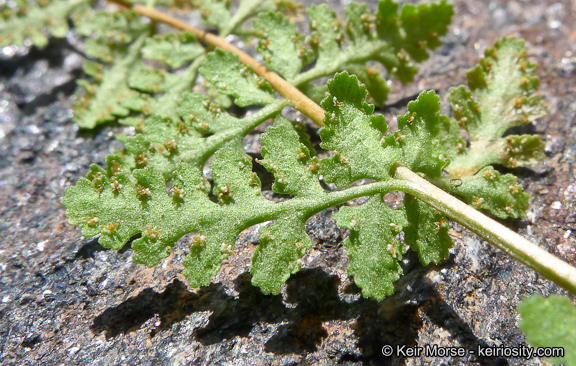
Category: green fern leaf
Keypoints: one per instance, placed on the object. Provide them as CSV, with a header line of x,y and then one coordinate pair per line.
x,y
166,104
376,85
130,89
505,197
385,37
105,204
282,244
422,131
173,50
204,115
120,28
102,102
157,187
237,189
234,180
200,128
36,23
426,232
214,12
355,134
372,246
550,322
231,77
502,96
281,46
118,39
161,224
217,14
417,28
289,160
147,79
168,150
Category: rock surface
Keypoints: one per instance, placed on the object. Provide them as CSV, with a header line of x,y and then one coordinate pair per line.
x,y
67,301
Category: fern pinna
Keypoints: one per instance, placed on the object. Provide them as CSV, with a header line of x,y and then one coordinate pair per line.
x,y
156,187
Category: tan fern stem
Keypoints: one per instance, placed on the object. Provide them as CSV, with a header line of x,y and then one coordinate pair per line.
x,y
299,101
524,251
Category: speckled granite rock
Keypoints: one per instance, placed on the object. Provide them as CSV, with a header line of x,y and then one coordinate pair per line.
x,y
65,300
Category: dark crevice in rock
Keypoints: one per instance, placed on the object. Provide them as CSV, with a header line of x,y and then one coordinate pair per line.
x,y
315,294
31,340
523,172
403,102
53,52
527,129
45,99
41,77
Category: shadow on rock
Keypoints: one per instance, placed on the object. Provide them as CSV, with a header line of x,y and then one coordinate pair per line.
x,y
237,316
175,303
91,246
312,299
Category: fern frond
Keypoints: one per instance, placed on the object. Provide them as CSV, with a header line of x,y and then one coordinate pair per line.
x,y
35,21
231,77
425,136
130,89
137,183
217,14
501,95
354,134
373,246
173,49
116,39
157,188
281,46
109,97
426,232
394,40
